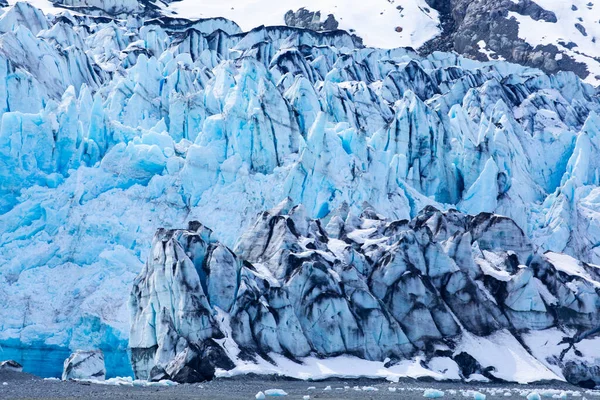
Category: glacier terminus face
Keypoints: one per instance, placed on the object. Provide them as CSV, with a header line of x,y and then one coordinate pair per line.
x,y
352,202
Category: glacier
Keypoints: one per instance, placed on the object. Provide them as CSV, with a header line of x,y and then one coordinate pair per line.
x,y
114,128
450,289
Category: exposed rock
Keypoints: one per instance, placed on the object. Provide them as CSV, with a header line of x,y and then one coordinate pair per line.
x,y
306,19
466,23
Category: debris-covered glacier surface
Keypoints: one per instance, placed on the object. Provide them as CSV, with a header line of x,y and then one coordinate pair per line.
x,y
444,296
111,129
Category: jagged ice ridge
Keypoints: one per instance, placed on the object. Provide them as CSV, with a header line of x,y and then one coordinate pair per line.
x,y
448,288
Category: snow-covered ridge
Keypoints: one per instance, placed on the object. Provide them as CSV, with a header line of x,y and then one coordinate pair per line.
x,y
548,34
445,295
111,129
374,21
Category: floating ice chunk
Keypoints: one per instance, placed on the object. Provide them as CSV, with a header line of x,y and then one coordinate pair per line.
x,y
507,394
275,392
5,383
534,396
306,397
85,365
392,389
259,396
433,394
327,388
369,389
479,396
128,381
10,365
311,388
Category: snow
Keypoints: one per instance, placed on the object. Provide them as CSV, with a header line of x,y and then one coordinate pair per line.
x,y
508,357
446,366
564,30
477,378
571,266
548,344
348,367
491,55
374,21
45,5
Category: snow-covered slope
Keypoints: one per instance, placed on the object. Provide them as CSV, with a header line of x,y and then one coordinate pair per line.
x,y
576,32
374,21
113,128
553,35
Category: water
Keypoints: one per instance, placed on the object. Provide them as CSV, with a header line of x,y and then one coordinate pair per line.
x,y
47,361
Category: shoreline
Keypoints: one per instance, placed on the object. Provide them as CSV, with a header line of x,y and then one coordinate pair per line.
x,y
15,385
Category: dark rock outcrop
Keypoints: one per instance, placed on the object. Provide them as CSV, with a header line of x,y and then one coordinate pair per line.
x,y
465,23
306,19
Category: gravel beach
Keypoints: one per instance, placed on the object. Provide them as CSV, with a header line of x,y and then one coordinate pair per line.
x,y
25,386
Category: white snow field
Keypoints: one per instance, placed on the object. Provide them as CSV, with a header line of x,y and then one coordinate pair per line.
x,y
375,21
